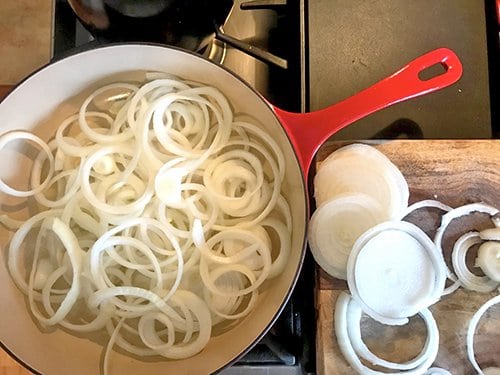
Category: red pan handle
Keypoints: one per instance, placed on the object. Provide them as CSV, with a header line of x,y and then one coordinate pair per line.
x,y
308,131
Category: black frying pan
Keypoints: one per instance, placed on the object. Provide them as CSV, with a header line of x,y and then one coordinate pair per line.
x,y
187,24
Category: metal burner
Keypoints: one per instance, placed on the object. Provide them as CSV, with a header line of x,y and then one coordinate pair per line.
x,y
215,51
247,47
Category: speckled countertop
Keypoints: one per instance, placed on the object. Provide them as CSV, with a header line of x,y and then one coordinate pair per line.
x,y
25,45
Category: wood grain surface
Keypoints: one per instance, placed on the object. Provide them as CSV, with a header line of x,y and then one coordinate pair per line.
x,y
8,366
4,90
455,172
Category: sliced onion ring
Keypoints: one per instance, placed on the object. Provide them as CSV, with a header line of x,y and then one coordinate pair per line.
x,y
426,203
16,135
407,245
488,258
121,183
470,281
496,220
354,313
335,226
490,234
362,168
345,344
472,328
447,218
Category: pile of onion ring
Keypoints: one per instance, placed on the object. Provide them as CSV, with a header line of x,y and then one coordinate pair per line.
x,y
158,215
393,269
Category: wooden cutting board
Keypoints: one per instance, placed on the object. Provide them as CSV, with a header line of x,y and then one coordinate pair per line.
x,y
455,172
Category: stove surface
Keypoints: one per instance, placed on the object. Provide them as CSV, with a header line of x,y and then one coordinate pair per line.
x,y
347,46
287,349
354,44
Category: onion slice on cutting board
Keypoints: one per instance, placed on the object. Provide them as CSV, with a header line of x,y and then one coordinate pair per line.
x,y
394,271
482,284
335,226
346,341
471,330
490,234
488,258
429,350
362,168
461,211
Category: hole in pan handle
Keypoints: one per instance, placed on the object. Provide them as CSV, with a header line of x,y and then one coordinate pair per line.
x,y
308,131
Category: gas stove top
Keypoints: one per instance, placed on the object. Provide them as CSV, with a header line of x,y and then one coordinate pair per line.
x,y
331,50
269,30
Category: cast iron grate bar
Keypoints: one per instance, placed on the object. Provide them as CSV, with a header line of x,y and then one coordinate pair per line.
x,y
247,48
262,4
251,50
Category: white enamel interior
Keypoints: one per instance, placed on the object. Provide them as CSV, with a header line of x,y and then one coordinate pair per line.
x,y
39,104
